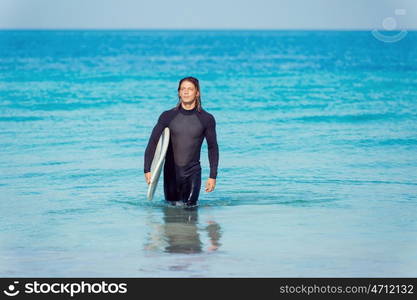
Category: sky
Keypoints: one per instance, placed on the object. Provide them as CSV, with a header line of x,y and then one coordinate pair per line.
x,y
208,14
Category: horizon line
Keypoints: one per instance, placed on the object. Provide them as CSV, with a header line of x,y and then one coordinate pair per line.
x,y
203,29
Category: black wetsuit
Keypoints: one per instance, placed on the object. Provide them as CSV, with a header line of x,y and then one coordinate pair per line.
x,y
182,169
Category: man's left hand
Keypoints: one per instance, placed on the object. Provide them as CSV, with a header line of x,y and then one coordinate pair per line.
x,y
210,185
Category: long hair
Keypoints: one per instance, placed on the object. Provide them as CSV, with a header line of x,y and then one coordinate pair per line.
x,y
194,81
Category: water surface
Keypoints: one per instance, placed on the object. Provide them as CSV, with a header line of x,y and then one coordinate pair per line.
x,y
317,138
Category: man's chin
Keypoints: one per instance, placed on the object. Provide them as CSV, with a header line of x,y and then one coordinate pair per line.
x,y
188,101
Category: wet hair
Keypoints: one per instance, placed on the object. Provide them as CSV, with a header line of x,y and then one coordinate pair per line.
x,y
194,81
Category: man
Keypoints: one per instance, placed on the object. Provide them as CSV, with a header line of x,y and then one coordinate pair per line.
x,y
189,124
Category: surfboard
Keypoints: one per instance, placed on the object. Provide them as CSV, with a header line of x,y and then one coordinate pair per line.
x,y
158,162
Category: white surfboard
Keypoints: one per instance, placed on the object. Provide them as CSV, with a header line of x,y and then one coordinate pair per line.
x,y
158,162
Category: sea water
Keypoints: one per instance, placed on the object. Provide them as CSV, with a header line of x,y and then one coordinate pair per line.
x,y
317,132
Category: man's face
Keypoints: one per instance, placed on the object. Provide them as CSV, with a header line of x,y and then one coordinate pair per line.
x,y
188,92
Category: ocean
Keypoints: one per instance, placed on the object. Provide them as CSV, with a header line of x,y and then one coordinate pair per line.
x,y
317,134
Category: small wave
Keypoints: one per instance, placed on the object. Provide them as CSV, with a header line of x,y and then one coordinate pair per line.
x,y
52,163
131,202
355,118
34,174
20,119
142,202
74,106
398,142
68,211
240,200
381,142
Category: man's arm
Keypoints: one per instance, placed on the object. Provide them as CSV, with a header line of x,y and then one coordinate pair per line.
x,y
212,146
153,142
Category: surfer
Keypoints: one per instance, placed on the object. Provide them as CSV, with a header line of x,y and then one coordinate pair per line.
x,y
189,124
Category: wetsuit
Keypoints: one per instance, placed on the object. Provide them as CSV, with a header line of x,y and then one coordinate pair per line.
x,y
182,169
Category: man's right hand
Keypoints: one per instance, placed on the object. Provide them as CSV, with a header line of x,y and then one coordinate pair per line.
x,y
148,177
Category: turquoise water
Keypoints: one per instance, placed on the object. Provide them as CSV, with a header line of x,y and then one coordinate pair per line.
x,y
317,134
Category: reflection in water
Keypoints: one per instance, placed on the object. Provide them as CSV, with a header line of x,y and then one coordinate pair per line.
x,y
180,232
